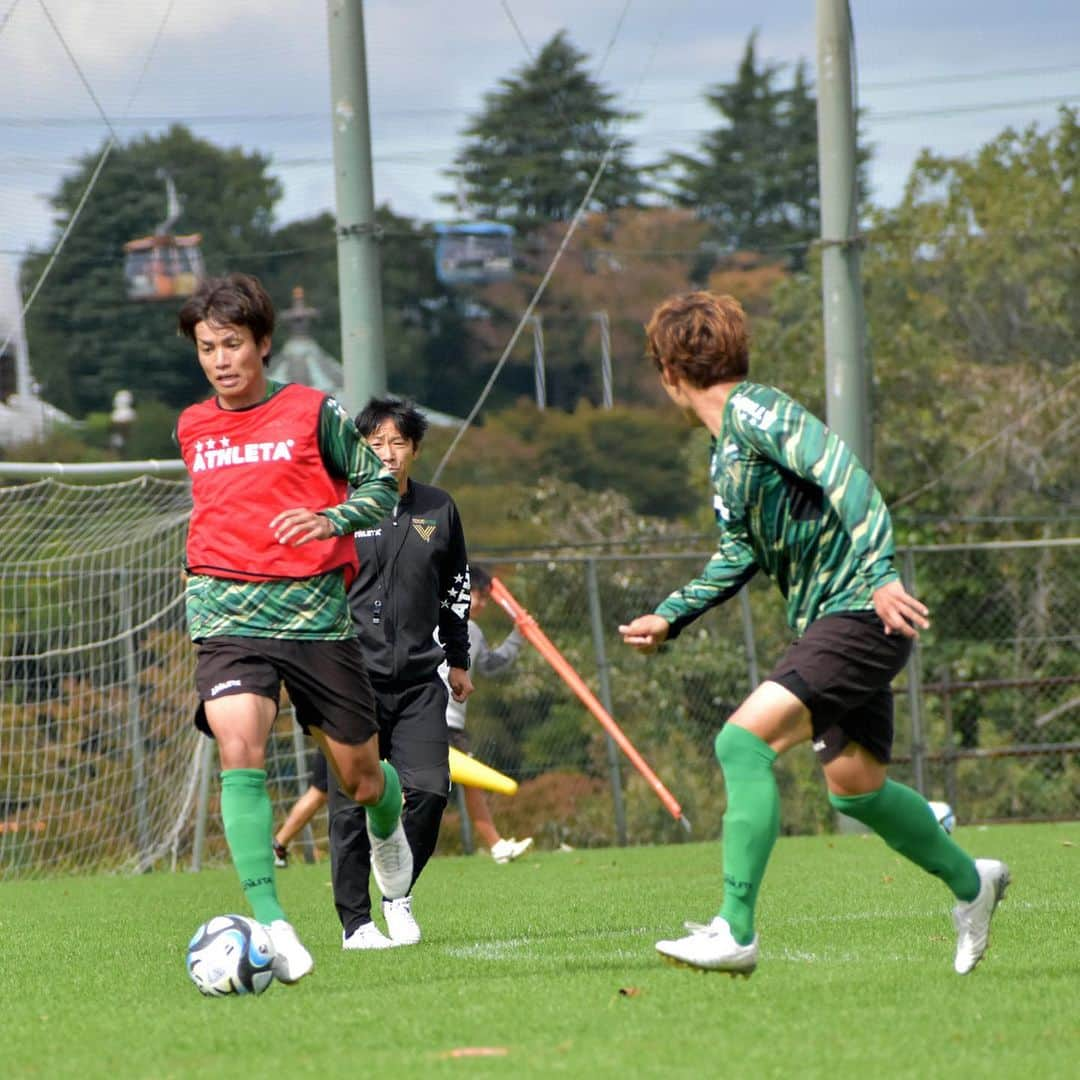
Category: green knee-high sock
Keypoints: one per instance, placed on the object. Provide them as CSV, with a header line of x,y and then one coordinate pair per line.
x,y
751,823
383,816
900,816
249,822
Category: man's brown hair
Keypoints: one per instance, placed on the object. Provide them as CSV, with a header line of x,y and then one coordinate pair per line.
x,y
233,300
701,338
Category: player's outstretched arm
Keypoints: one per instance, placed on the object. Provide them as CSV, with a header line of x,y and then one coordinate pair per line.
x,y
900,611
645,633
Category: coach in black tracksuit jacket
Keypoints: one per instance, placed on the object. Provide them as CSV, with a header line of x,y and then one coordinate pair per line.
x,y
413,580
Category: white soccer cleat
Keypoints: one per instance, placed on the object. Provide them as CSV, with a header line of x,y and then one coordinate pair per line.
x,y
291,960
509,849
392,863
401,924
972,920
366,936
711,948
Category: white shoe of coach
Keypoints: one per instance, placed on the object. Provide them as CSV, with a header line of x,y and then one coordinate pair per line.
x,y
366,936
401,924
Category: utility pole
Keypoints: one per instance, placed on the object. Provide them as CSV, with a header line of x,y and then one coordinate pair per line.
x,y
359,284
847,365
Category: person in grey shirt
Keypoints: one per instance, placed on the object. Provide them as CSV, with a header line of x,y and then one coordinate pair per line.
x,y
483,660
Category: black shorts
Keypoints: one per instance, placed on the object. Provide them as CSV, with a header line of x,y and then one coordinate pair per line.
x,y
841,670
459,739
327,681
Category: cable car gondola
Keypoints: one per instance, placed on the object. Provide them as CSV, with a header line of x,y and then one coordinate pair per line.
x,y
474,253
164,266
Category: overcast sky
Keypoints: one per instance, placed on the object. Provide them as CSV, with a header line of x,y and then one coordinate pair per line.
x,y
943,74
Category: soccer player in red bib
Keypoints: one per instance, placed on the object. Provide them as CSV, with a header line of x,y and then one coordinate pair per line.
x,y
792,500
269,558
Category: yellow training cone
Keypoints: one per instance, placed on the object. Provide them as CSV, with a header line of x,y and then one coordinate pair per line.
x,y
472,773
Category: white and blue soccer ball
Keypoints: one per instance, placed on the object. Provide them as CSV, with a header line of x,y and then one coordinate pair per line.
x,y
231,954
944,814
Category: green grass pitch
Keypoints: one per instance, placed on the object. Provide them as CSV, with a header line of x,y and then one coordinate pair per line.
x,y
549,963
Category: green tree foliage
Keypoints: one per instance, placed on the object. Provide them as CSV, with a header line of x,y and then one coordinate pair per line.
x,y
637,452
972,283
87,339
991,241
303,254
971,298
540,478
531,153
620,264
755,178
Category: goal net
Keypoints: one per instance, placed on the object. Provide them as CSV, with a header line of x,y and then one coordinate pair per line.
x,y
99,761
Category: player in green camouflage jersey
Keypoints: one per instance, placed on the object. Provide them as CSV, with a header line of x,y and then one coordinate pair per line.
x,y
792,500
309,608
269,550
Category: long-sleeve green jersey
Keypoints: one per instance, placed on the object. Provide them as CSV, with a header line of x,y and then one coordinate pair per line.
x,y
313,608
790,499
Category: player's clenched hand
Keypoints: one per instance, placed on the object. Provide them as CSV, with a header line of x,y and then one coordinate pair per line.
x,y
300,526
461,685
645,633
900,611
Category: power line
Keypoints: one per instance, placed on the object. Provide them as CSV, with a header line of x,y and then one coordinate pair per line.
x,y
614,37
78,69
86,191
869,237
980,76
958,110
92,183
7,15
517,29
542,286
421,112
239,119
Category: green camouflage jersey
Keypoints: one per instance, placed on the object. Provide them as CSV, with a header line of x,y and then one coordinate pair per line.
x,y
790,499
315,608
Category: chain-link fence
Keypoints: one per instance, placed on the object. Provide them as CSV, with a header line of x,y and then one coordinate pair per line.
x,y
986,712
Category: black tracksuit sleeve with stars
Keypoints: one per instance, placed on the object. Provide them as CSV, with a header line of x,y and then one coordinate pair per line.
x,y
455,596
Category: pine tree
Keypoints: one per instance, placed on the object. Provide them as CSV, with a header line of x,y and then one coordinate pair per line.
x,y
532,152
755,179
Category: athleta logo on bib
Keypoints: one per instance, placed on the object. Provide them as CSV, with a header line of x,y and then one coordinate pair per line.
x,y
218,453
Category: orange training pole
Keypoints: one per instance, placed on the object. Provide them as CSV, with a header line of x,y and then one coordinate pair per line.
x,y
529,628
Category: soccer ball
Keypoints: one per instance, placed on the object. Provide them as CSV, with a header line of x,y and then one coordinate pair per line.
x,y
231,954
944,814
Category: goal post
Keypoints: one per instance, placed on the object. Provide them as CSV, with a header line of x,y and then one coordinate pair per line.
x,y
99,759
94,671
